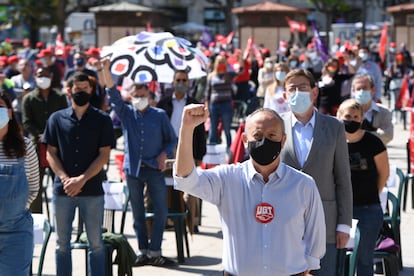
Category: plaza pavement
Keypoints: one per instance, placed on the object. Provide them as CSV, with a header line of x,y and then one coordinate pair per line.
x,y
206,246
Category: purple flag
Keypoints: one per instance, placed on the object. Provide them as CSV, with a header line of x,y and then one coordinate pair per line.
x,y
206,38
320,46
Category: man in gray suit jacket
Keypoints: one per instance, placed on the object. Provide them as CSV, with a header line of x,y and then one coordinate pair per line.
x,y
316,145
377,117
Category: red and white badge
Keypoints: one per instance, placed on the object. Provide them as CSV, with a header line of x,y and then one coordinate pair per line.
x,y
264,213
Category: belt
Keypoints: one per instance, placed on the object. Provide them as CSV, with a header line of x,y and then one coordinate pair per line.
x,y
229,274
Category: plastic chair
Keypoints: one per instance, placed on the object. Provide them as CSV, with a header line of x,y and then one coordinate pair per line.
x,y
177,212
78,244
239,113
391,257
47,231
409,176
110,213
352,254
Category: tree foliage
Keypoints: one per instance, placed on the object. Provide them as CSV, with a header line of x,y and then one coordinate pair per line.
x,y
329,8
34,14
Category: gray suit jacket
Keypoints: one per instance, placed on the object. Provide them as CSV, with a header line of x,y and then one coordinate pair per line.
x,y
328,164
382,121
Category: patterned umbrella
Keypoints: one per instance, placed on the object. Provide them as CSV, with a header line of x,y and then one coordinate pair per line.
x,y
149,57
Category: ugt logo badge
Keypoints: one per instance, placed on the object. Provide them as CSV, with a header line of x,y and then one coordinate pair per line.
x,y
264,212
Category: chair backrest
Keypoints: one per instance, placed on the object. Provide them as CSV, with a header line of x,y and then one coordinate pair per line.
x,y
47,230
110,213
354,254
401,181
395,212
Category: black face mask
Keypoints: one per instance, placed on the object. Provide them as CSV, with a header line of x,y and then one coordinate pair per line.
x,y
81,98
351,126
264,151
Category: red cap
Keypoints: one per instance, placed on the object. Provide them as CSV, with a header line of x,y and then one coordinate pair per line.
x,y
44,52
393,44
399,57
310,46
92,52
265,51
39,45
12,59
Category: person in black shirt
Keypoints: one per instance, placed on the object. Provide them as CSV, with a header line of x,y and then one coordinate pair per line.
x,y
369,172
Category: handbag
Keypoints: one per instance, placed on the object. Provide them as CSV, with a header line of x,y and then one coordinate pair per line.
x,y
42,155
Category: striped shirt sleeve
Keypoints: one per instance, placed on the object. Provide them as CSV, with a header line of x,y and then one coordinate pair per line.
x,y
32,171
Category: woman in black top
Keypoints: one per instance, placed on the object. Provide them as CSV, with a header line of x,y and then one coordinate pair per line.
x,y
369,172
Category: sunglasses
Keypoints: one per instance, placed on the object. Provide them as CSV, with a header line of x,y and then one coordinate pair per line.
x,y
181,80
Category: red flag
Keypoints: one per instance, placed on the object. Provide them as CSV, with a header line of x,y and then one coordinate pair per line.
x,y
404,100
148,27
383,42
296,26
251,47
229,37
411,142
60,49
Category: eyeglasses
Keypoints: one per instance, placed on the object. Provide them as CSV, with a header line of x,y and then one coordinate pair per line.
x,y
301,87
181,80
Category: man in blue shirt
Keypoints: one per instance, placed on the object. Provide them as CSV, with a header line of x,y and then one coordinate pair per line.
x,y
79,141
149,139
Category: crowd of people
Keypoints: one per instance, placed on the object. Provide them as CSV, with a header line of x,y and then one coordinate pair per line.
x,y
304,113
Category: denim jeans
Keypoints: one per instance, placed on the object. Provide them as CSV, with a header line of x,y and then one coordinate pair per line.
x,y
222,110
91,209
16,223
158,193
328,262
370,222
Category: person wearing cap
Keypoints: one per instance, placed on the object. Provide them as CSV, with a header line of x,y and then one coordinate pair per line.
x,y
49,61
98,96
37,106
11,69
271,214
149,140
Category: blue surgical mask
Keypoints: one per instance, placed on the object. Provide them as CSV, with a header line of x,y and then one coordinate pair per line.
x,y
280,75
4,117
363,96
293,63
300,102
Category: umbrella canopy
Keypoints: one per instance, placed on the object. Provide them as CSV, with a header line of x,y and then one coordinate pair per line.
x,y
150,57
190,27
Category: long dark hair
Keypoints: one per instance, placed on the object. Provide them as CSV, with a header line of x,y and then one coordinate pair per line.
x,y
13,142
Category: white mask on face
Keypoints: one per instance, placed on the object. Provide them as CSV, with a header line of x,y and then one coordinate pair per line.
x,y
300,102
140,103
4,117
43,82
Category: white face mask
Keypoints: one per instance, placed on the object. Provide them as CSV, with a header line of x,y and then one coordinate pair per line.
x,y
300,102
43,82
140,103
363,56
4,117
268,65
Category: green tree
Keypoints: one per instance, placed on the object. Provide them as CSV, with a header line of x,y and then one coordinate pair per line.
x,y
226,7
329,8
34,14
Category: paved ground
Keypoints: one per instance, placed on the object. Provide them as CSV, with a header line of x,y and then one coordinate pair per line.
x,y
206,247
